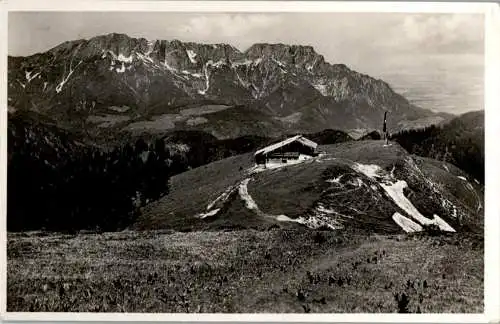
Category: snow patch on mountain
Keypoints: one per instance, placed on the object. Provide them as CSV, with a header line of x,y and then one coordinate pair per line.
x,y
121,69
221,198
406,224
244,83
196,75
395,191
29,77
315,221
243,191
321,88
192,56
144,57
335,180
208,214
246,62
207,78
121,58
65,79
372,171
280,64
168,67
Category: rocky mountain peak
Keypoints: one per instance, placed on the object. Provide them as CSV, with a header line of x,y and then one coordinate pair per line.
x,y
302,56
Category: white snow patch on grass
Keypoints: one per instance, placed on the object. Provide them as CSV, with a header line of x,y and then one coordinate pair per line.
x,y
208,214
322,209
335,180
311,222
370,170
221,198
395,191
406,224
243,191
442,224
284,218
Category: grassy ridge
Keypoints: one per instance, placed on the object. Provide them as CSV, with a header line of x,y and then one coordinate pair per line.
x,y
244,271
297,191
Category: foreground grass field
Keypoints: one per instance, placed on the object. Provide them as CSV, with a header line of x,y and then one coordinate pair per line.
x,y
244,271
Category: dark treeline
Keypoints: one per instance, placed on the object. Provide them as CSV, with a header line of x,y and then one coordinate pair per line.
x,y
205,148
457,143
329,136
57,185
373,135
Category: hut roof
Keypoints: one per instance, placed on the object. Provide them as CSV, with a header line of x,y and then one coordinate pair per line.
x,y
298,138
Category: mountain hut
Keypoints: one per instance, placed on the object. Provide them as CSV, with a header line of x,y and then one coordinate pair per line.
x,y
292,149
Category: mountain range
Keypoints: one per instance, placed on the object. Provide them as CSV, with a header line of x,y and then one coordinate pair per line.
x,y
113,85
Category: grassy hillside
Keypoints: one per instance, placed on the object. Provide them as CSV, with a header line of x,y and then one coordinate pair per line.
x,y
245,272
460,142
191,191
331,190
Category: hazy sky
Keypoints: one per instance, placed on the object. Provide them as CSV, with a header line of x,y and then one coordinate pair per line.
x,y
394,46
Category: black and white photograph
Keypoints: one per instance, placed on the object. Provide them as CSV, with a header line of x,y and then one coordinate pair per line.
x,y
245,162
